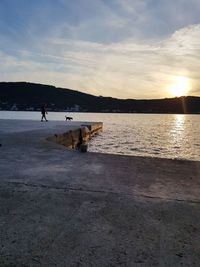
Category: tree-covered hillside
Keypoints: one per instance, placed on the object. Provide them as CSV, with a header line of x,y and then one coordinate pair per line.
x,y
31,96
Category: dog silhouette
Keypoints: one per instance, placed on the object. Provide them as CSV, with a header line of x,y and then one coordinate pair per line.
x,y
68,118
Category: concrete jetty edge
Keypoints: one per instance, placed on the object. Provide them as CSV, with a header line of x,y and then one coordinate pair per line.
x,y
71,137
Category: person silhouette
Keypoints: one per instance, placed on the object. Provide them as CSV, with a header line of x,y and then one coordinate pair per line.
x,y
44,112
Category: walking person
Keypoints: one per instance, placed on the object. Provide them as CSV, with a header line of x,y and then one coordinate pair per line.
x,y
44,112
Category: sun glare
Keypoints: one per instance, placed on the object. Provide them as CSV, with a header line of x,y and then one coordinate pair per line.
x,y
181,87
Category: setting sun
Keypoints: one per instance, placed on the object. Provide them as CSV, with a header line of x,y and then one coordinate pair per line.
x,y
181,87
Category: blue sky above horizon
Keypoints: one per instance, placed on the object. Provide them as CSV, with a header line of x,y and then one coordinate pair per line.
x,y
119,48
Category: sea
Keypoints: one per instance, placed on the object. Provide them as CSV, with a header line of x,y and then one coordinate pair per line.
x,y
173,136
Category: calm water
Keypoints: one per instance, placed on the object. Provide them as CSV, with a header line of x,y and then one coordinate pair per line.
x,y
156,135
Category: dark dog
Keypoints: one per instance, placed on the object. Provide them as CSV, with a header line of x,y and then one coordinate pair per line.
x,y
68,118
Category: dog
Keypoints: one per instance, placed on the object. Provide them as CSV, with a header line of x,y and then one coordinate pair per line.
x,y
68,118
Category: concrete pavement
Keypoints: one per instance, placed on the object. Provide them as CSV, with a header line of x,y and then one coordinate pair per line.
x,y
64,208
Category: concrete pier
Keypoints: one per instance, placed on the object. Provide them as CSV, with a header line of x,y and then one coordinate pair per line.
x,y
70,137
59,207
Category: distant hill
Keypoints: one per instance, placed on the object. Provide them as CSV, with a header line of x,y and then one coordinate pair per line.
x,y
31,96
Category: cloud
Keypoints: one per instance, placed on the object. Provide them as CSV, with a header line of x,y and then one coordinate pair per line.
x,y
126,49
128,69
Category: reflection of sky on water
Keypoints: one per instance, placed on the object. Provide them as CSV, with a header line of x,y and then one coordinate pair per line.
x,y
156,135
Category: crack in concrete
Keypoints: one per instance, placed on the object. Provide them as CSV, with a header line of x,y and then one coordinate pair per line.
x,y
105,192
63,188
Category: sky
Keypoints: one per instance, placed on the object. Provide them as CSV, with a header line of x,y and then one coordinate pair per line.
x,y
140,49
